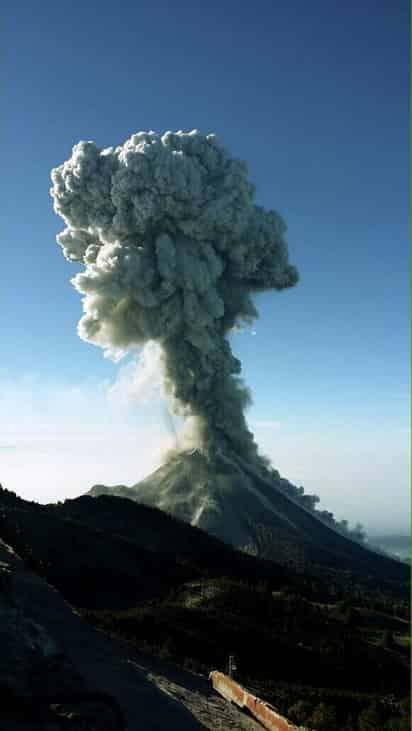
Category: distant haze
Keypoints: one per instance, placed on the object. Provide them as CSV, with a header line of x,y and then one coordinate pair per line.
x,y
60,440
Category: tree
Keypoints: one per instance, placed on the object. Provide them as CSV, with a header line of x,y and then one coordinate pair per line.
x,y
349,724
324,718
327,516
358,533
398,723
168,649
387,639
299,712
343,526
371,718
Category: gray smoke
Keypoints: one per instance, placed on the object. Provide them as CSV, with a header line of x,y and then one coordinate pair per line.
x,y
173,248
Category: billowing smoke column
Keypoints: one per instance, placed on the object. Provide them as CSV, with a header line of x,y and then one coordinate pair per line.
x,y
173,248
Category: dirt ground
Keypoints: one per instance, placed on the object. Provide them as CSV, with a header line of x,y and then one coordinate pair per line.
x,y
194,693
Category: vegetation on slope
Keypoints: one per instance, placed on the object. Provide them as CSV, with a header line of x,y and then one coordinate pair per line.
x,y
327,647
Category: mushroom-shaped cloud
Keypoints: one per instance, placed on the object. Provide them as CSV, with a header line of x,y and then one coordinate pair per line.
x,y
173,248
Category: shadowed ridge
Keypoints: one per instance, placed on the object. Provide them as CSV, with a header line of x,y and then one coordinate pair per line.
x,y
245,508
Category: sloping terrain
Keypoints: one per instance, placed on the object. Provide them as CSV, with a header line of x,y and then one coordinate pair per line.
x,y
246,509
115,553
275,635
73,666
170,590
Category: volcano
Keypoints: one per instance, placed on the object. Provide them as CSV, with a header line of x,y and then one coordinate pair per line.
x,y
174,249
245,507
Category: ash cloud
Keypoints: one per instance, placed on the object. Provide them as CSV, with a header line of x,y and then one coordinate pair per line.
x,y
173,247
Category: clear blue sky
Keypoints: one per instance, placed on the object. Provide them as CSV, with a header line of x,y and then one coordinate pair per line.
x,y
314,97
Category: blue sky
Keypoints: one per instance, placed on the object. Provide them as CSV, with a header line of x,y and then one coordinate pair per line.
x,y
314,97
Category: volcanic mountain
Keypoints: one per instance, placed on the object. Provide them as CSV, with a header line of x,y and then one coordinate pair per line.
x,y
244,506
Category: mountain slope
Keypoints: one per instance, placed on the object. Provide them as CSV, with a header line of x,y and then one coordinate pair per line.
x,y
83,670
246,509
172,590
115,553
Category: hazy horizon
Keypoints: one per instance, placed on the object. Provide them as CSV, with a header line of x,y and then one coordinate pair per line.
x,y
101,434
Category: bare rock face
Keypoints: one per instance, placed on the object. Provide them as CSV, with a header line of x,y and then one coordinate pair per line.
x,y
39,685
217,496
247,506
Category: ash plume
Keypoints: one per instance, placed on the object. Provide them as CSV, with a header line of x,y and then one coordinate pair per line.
x,y
173,247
